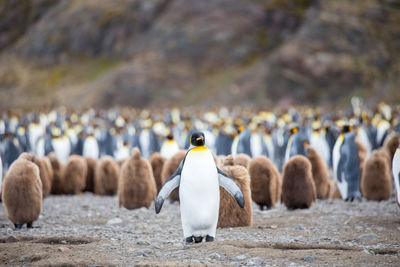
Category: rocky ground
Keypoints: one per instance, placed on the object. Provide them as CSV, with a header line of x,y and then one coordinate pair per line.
x,y
91,230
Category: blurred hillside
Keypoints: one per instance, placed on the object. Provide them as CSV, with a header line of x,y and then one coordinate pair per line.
x,y
159,52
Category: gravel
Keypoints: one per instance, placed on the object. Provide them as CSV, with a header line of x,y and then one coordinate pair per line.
x,y
96,231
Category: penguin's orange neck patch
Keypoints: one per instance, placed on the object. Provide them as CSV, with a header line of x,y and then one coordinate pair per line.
x,y
200,148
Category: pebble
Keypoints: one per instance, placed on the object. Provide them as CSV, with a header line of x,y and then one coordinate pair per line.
x,y
256,262
62,249
114,221
366,237
143,252
242,257
309,258
216,256
142,243
299,227
11,239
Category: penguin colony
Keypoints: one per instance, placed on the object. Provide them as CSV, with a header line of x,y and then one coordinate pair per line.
x,y
57,142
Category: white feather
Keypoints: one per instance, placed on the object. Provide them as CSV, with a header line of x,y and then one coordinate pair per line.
x,y
91,148
169,148
199,194
396,173
319,143
255,145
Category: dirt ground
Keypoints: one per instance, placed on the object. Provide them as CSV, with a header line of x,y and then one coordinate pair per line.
x,y
91,230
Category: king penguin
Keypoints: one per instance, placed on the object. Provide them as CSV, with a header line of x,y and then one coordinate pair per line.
x,y
346,164
199,179
396,173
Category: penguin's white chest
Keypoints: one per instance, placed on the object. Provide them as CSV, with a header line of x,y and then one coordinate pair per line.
x,y
199,194
396,173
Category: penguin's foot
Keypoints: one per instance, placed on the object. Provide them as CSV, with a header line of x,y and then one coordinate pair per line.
x,y
198,239
209,238
30,225
189,239
18,226
261,207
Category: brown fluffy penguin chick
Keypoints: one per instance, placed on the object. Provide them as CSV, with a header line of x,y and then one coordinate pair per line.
x,y
376,179
319,173
157,162
106,176
43,171
91,167
57,187
230,214
242,160
22,193
75,172
298,188
391,144
136,187
265,182
170,166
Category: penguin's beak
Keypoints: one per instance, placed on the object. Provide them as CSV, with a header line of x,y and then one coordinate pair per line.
x,y
199,138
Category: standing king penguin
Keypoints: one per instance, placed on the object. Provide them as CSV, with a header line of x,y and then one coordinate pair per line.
x,y
346,165
396,173
199,179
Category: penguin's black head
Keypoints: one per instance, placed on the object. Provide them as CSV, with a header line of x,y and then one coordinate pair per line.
x,y
197,139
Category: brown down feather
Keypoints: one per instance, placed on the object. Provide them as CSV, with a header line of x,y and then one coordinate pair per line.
x,y
75,173
106,176
91,167
22,192
265,182
242,160
320,173
376,180
157,162
298,188
43,171
391,144
230,214
136,187
57,187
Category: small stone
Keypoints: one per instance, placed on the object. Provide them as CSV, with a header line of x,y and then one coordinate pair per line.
x,y
63,242
215,256
63,249
256,262
142,243
155,246
195,261
114,221
366,251
143,252
274,226
309,258
9,231
366,237
299,227
11,239
242,257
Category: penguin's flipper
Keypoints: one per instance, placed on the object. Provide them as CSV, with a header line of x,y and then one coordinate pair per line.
x,y
173,182
229,185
